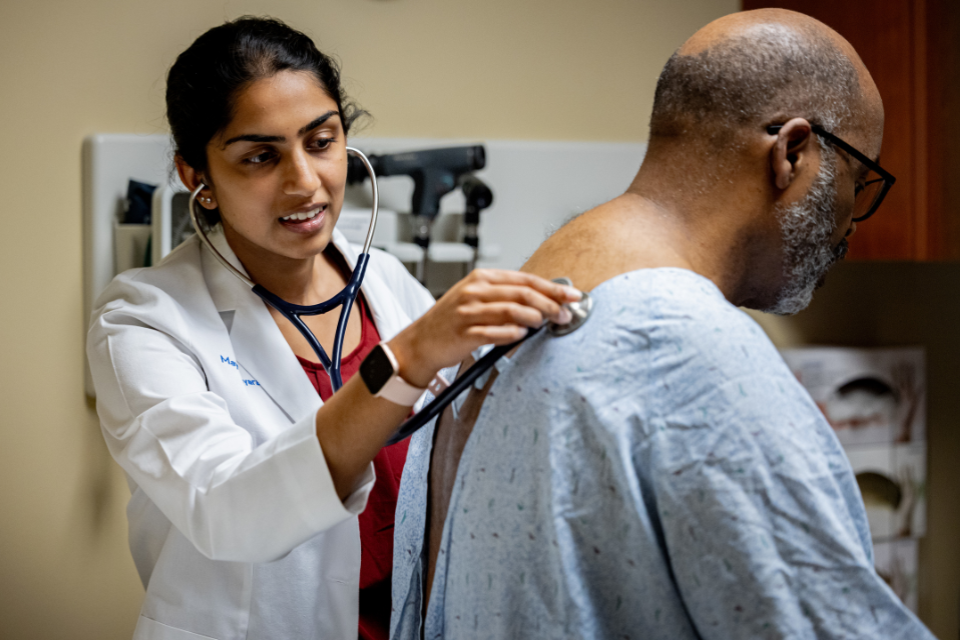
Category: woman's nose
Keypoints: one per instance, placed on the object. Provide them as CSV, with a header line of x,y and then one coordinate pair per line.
x,y
301,179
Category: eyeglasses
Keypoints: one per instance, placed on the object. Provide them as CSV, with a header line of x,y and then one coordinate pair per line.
x,y
871,189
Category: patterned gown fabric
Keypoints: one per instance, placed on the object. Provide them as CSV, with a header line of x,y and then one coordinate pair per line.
x,y
658,473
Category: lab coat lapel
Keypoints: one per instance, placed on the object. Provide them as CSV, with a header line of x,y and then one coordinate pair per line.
x,y
259,347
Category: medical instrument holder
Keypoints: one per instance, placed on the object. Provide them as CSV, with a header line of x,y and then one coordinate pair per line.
x,y
435,173
292,312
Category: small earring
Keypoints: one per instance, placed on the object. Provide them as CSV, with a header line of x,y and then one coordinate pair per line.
x,y
206,199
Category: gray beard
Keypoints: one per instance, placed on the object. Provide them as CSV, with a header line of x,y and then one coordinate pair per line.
x,y
806,227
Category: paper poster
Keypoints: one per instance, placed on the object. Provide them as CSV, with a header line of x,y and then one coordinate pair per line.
x,y
893,486
875,401
869,396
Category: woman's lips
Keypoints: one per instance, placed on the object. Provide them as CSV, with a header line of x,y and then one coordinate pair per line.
x,y
308,225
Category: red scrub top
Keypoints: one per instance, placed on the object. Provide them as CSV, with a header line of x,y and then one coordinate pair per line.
x,y
376,521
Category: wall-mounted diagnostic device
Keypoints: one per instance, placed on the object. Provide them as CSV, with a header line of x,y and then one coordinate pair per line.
x,y
435,173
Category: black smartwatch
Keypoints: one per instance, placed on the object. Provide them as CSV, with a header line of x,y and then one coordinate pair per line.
x,y
380,372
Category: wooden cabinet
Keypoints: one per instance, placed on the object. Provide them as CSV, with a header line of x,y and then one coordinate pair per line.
x,y
912,49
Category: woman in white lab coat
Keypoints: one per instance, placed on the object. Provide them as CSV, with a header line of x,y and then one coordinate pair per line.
x,y
246,487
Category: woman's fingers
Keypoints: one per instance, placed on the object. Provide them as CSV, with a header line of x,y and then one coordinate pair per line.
x,y
558,292
496,334
525,296
546,297
497,313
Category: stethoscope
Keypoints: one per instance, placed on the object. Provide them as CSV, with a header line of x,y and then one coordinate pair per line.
x,y
347,297
293,312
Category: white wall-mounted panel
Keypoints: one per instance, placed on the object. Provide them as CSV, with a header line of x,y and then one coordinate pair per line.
x,y
537,186
109,161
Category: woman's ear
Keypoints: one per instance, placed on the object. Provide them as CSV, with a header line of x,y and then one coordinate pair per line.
x,y
789,151
192,179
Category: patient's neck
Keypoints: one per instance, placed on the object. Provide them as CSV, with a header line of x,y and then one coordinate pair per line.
x,y
657,223
628,233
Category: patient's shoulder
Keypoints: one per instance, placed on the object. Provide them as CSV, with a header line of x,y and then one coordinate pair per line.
x,y
663,290
667,349
670,329
672,307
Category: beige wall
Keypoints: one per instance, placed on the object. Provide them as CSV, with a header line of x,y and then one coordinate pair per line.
x,y
560,69
550,69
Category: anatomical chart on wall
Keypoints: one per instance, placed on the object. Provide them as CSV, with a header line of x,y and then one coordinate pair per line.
x,y
875,401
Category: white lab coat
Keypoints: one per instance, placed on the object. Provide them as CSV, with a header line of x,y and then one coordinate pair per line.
x,y
235,526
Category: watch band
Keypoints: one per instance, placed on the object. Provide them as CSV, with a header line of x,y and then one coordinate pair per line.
x,y
379,371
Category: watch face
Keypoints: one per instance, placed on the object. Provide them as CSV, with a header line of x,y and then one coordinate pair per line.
x,y
376,370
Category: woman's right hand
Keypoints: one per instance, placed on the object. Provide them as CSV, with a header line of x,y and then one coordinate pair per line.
x,y
489,306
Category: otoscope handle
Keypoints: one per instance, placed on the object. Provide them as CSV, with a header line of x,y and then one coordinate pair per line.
x,y
478,196
448,395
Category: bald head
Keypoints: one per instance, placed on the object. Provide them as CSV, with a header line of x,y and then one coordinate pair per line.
x,y
751,69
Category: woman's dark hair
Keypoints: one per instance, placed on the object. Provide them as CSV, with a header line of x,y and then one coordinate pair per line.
x,y
204,82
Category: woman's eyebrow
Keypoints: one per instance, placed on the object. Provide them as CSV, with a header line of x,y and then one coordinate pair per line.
x,y
317,122
252,137
256,137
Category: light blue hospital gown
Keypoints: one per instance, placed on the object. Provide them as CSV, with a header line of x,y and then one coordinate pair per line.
x,y
658,473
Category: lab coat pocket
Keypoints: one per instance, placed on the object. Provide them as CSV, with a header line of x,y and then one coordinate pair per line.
x,y
149,629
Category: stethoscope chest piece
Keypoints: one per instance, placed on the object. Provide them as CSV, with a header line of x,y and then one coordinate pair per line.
x,y
580,310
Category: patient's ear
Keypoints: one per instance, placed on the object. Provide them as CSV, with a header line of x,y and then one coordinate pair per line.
x,y
789,155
